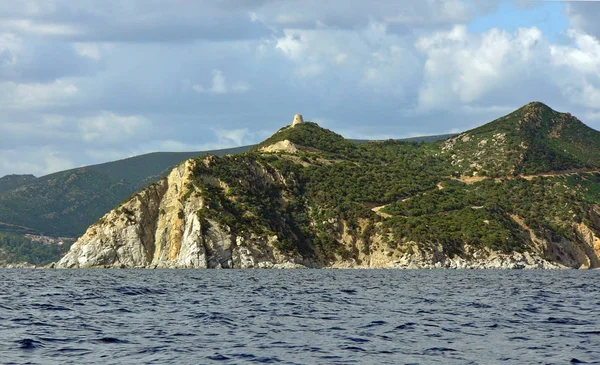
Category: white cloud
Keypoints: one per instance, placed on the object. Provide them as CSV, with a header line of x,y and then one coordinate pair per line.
x,y
431,12
293,44
235,136
37,95
110,154
577,69
592,116
178,146
220,85
91,50
582,93
471,71
108,127
367,59
463,67
314,52
37,161
42,29
10,47
583,55
223,138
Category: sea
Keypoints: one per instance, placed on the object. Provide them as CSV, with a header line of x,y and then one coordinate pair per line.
x,y
299,317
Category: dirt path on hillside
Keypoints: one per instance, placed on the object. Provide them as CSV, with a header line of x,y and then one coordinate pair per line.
x,y
474,179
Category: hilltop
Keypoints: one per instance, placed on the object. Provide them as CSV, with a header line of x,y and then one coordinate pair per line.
x,y
531,140
10,182
526,197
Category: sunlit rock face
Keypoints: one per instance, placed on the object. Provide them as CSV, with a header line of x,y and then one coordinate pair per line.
x,y
160,227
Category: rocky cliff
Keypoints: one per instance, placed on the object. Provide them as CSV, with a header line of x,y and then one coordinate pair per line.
x,y
162,227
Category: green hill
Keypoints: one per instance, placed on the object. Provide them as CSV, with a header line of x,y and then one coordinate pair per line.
x,y
67,202
533,139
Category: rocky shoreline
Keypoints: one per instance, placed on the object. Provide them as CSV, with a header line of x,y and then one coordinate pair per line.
x,y
418,261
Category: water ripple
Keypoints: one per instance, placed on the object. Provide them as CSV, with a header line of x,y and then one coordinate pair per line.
x,y
299,317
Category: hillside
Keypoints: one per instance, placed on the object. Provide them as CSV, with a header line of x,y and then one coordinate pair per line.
x,y
533,139
20,250
67,202
10,182
308,197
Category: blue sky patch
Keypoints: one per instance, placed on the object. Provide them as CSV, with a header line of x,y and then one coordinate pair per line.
x,y
548,16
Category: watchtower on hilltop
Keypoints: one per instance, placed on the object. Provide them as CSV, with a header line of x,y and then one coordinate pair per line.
x,y
297,120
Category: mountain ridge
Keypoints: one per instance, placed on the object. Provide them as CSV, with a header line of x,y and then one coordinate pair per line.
x,y
9,182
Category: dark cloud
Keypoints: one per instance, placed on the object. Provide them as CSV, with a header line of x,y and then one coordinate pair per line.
x,y
585,16
134,21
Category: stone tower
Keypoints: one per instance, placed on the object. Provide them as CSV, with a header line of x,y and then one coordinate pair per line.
x,y
297,120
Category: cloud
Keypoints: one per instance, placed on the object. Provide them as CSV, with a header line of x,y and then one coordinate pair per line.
x,y
222,138
132,21
578,65
92,50
582,55
220,85
110,128
37,161
27,60
461,67
27,26
356,14
10,47
583,15
37,95
235,136
370,59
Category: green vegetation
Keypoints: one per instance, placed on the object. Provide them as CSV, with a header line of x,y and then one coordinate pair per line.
x,y
10,182
254,201
482,214
311,135
331,185
67,202
533,139
19,249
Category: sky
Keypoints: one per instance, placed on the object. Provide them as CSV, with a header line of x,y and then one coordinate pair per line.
x,y
90,81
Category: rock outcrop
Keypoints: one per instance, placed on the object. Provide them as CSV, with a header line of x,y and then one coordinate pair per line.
x,y
476,259
281,146
161,227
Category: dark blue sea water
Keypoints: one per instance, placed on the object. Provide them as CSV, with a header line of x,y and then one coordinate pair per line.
x,y
299,317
